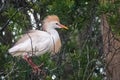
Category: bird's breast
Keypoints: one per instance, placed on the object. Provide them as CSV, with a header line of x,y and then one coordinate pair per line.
x,y
56,45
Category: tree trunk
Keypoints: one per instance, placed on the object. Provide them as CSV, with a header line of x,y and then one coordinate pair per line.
x,y
111,49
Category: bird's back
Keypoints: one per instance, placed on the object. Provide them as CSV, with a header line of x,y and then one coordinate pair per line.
x,y
35,42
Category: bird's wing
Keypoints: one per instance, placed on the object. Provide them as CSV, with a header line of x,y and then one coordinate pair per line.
x,y
27,36
35,41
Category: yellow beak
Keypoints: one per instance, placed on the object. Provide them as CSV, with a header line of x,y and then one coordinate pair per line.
x,y
62,26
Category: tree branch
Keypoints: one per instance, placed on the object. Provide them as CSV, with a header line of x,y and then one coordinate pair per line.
x,y
5,25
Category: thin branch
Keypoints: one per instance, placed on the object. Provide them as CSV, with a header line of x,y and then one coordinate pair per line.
x,y
5,25
31,42
84,75
11,70
3,4
88,78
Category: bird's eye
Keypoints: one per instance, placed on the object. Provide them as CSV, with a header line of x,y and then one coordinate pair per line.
x,y
56,23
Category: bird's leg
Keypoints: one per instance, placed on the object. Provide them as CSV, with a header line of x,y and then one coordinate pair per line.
x,y
34,66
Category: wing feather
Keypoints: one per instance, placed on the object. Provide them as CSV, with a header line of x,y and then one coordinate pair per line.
x,y
37,42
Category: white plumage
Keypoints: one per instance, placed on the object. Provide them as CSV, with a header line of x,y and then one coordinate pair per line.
x,y
36,42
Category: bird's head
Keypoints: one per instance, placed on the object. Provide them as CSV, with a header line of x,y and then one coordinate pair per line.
x,y
51,22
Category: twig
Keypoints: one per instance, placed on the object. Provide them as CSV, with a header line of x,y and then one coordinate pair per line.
x,y
5,25
31,42
10,71
3,1
88,78
87,67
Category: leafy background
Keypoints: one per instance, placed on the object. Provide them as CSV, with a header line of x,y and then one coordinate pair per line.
x,y
81,55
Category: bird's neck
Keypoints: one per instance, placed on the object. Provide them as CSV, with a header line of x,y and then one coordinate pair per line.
x,y
56,41
53,33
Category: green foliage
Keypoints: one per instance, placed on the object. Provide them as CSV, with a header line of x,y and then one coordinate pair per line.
x,y
112,9
80,51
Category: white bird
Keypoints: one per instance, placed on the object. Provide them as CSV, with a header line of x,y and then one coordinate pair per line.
x,y
36,42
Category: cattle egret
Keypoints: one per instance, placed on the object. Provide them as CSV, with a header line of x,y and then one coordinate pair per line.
x,y
36,42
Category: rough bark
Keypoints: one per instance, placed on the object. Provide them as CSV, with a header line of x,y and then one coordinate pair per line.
x,y
111,48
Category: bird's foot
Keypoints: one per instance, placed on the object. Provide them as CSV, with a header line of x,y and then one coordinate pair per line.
x,y
37,70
